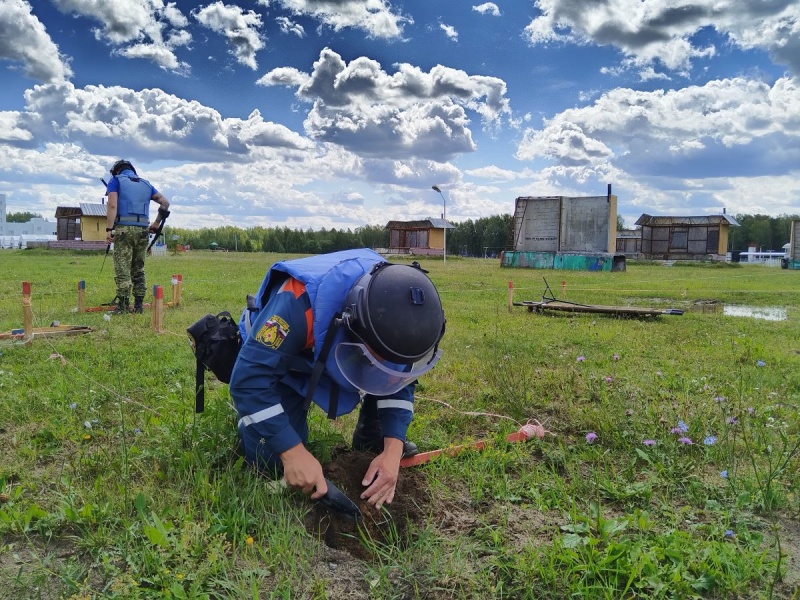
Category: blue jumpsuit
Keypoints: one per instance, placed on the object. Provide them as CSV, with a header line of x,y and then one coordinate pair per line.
x,y
270,379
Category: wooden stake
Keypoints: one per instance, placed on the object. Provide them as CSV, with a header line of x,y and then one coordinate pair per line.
x,y
510,296
81,296
158,308
177,288
27,314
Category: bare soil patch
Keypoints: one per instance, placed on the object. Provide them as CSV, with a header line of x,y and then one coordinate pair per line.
x,y
390,525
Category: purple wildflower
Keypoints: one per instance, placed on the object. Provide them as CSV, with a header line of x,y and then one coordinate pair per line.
x,y
609,379
751,410
724,474
719,399
683,426
591,437
675,430
729,533
685,441
649,442
761,363
581,358
615,357
732,420
710,440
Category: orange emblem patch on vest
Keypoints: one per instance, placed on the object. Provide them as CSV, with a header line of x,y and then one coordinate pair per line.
x,y
273,332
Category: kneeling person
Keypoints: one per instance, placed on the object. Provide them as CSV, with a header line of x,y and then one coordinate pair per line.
x,y
343,330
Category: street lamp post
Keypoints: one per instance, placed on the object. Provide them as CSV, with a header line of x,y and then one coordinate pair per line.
x,y
444,227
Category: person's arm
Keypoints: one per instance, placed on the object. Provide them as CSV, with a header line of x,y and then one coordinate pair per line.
x,y
111,215
303,471
281,329
383,472
163,204
395,414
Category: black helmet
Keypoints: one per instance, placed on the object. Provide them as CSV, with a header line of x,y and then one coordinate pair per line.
x,y
120,166
396,311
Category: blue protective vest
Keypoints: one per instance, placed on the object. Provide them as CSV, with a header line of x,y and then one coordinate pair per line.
x,y
328,278
133,205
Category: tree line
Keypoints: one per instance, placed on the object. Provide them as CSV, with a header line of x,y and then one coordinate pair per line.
x,y
767,233
480,237
22,217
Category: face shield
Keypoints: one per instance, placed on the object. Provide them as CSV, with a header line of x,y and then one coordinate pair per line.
x,y
378,377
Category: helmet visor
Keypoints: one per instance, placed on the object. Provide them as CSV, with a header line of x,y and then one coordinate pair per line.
x,y
372,375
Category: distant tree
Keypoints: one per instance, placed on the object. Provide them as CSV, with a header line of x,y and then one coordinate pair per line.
x,y
769,233
620,223
22,217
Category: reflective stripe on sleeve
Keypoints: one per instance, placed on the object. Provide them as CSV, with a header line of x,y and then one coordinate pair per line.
x,y
395,403
261,415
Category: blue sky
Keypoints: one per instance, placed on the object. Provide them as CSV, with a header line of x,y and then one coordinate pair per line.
x,y
343,113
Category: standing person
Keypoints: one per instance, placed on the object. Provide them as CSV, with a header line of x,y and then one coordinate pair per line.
x,y
128,226
343,330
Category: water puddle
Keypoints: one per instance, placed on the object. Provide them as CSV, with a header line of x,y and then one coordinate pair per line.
x,y
769,313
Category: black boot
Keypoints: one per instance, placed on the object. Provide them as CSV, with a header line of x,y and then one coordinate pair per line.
x,y
367,436
123,306
138,307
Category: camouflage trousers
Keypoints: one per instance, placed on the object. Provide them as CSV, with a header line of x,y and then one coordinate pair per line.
x,y
130,248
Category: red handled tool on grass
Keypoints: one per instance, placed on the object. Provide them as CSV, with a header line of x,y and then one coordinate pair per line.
x,y
526,432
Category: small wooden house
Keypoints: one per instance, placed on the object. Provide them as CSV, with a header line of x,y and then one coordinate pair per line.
x,y
80,227
68,223
629,242
417,237
685,238
93,222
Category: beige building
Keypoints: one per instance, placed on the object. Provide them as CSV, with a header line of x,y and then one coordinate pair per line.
x,y
417,237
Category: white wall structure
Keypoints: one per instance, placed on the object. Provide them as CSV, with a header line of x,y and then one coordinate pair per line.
x,y
41,228
565,224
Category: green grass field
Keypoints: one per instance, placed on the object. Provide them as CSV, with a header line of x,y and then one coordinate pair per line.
x,y
671,471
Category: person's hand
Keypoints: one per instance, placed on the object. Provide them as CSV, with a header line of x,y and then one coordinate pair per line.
x,y
153,228
301,470
382,474
110,237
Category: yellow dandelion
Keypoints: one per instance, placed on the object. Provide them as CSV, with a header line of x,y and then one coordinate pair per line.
x,y
249,540
86,437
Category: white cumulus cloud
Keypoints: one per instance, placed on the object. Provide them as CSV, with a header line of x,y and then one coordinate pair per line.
x,y
663,32
376,17
487,8
724,128
24,40
146,29
240,27
403,114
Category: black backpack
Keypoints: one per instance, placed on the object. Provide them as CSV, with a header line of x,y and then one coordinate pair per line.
x,y
215,341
